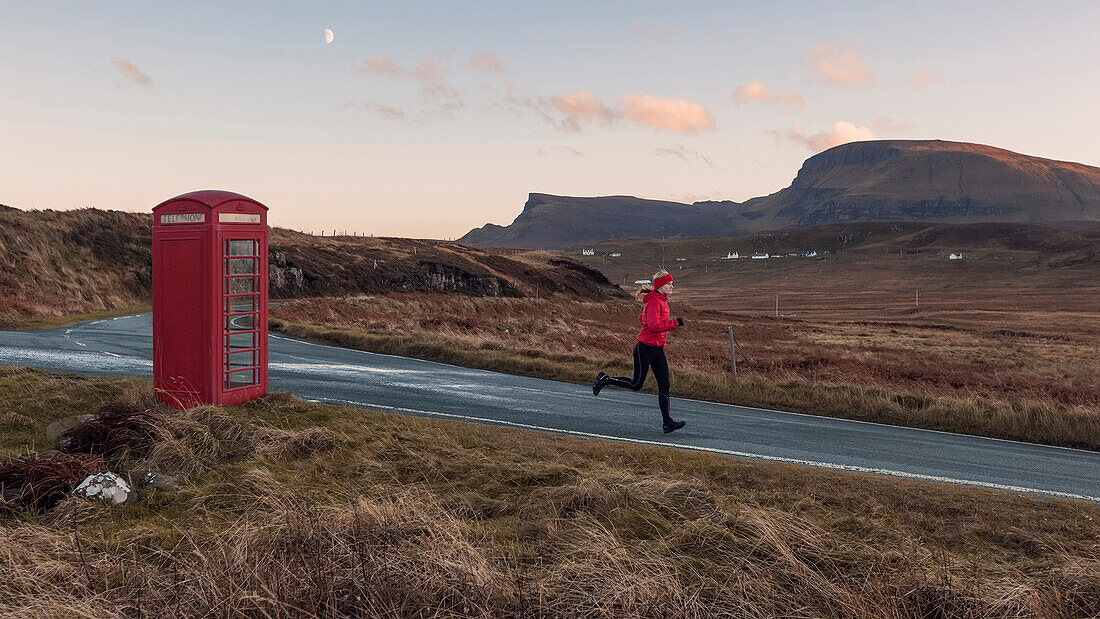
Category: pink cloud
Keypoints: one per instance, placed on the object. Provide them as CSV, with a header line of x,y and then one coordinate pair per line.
x,y
842,133
132,73
433,80
381,65
918,81
435,91
667,114
838,64
487,63
759,91
582,105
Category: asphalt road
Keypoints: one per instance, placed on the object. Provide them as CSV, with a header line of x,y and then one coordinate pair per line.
x,y
123,346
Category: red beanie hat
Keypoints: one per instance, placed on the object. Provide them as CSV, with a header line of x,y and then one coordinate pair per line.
x,y
662,280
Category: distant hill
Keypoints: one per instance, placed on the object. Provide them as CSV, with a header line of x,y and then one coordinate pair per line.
x,y
885,180
64,262
559,221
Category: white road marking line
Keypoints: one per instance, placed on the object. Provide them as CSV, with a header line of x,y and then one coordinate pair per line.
x,y
730,452
82,344
840,420
112,354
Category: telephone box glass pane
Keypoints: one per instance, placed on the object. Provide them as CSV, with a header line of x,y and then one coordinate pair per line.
x,y
245,322
241,266
240,379
240,285
242,248
240,341
238,305
238,360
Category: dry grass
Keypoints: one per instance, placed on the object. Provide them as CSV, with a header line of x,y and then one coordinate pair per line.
x,y
365,513
973,379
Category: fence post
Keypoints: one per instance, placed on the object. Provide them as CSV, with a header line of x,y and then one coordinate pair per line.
x,y
733,351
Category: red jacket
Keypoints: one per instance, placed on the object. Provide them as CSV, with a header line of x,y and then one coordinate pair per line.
x,y
656,320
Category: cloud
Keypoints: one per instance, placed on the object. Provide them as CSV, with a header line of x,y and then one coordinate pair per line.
x,y
684,154
569,113
433,80
381,65
838,64
891,126
918,81
842,133
565,150
429,74
582,105
487,63
759,91
385,111
132,73
666,114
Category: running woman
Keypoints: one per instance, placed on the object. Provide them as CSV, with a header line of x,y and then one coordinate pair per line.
x,y
650,349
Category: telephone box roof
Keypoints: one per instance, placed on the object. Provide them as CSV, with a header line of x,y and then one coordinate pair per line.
x,y
210,198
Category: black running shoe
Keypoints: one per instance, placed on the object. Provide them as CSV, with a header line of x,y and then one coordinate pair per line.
x,y
601,382
672,426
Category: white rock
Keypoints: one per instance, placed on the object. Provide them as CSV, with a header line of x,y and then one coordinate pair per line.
x,y
104,486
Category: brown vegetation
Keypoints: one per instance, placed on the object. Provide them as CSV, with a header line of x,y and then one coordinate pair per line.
x,y
85,261
402,516
982,380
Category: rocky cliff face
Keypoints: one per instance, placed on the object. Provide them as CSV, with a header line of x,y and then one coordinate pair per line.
x,y
932,180
885,180
552,222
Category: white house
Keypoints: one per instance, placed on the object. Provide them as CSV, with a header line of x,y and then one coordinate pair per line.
x,y
615,254
761,256
643,281
732,256
955,257
588,252
681,259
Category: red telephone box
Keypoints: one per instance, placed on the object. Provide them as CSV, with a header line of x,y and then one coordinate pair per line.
x,y
209,299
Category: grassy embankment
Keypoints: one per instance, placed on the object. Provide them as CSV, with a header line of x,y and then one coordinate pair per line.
x,y
982,380
290,508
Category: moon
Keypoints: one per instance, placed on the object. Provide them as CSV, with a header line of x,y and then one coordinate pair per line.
x,y
328,36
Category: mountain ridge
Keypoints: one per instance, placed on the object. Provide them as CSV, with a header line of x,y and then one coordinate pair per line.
x,y
878,180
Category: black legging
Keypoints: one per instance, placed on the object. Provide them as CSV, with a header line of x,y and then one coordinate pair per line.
x,y
646,356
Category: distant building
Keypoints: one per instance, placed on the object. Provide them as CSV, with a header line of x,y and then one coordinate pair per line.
x,y
681,259
808,254
955,257
761,256
644,281
614,254
732,256
588,252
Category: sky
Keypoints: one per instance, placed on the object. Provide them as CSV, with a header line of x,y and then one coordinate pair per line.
x,y
426,119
